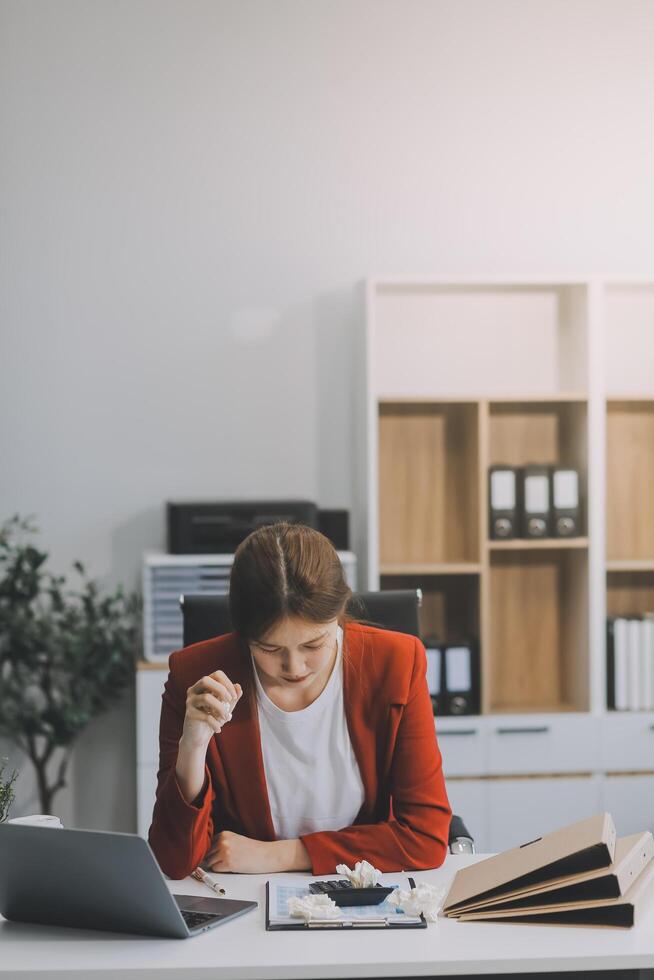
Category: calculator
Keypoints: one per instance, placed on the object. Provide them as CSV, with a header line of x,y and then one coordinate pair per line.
x,y
344,894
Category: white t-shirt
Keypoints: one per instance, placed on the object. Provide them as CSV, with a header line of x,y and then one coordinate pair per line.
x,y
313,777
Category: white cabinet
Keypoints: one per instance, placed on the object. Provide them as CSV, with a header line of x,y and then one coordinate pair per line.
x,y
630,801
512,745
503,813
463,745
520,810
628,741
542,743
469,799
149,688
146,784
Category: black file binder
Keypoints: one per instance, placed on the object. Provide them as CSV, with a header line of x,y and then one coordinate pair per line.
x,y
565,503
335,924
461,678
610,664
435,673
536,501
503,502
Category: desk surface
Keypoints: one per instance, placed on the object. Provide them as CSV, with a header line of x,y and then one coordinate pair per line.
x,y
243,950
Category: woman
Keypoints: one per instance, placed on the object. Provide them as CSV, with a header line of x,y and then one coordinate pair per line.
x,y
303,739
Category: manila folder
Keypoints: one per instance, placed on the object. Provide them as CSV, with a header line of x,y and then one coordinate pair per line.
x,y
581,846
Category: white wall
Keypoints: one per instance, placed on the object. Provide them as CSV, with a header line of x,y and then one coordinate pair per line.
x,y
189,191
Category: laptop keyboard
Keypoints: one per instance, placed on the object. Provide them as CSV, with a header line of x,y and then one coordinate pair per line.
x,y
195,919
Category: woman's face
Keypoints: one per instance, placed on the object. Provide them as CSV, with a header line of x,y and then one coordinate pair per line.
x,y
295,653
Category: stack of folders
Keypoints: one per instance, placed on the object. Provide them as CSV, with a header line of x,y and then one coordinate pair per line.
x,y
534,502
630,663
579,875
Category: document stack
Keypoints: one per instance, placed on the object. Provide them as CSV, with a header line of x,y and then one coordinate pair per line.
x,y
578,875
630,663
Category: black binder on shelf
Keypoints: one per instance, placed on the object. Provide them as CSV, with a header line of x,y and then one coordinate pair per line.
x,y
536,501
434,673
610,664
461,685
503,502
566,521
335,924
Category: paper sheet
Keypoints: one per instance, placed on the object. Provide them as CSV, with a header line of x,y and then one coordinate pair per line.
x,y
281,891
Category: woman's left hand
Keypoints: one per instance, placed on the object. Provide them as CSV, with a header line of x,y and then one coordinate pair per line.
x,y
233,852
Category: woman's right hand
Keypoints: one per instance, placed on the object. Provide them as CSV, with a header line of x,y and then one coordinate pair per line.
x,y
209,706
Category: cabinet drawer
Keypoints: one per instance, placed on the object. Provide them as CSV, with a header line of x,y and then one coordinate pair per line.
x,y
463,745
469,800
520,810
542,743
628,741
149,688
630,801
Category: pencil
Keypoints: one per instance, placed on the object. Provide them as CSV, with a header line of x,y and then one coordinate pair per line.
x,y
200,875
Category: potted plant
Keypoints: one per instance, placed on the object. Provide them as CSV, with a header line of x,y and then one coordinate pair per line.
x,y
65,654
6,790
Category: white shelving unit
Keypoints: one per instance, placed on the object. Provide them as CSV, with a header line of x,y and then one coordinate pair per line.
x,y
463,373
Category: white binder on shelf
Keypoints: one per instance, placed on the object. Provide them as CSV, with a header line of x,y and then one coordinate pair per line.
x,y
634,659
648,661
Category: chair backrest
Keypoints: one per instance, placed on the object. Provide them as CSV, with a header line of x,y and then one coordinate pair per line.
x,y
205,616
396,609
393,609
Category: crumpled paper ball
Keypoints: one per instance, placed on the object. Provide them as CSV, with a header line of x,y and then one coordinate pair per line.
x,y
363,876
424,900
313,907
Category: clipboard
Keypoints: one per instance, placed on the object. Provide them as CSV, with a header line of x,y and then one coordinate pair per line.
x,y
336,924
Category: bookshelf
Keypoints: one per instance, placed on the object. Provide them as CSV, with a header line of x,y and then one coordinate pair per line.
x,y
629,329
465,374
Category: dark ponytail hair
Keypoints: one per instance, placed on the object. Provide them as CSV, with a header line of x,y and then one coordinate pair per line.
x,y
284,570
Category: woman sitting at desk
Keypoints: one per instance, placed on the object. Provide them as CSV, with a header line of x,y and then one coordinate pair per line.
x,y
303,739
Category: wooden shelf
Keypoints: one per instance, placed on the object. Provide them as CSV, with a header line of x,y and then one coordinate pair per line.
x,y
493,398
538,636
391,400
454,404
554,707
437,568
450,603
151,665
538,544
630,565
547,432
553,398
629,481
630,397
428,484
629,591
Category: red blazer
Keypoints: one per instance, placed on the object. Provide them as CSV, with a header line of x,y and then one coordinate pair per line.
x,y
404,821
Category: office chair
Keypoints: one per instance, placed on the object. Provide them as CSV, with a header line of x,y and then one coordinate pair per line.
x,y
396,609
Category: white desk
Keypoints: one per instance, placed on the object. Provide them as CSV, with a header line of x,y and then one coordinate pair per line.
x,y
243,950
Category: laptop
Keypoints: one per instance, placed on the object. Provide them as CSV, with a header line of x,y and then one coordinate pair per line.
x,y
91,879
